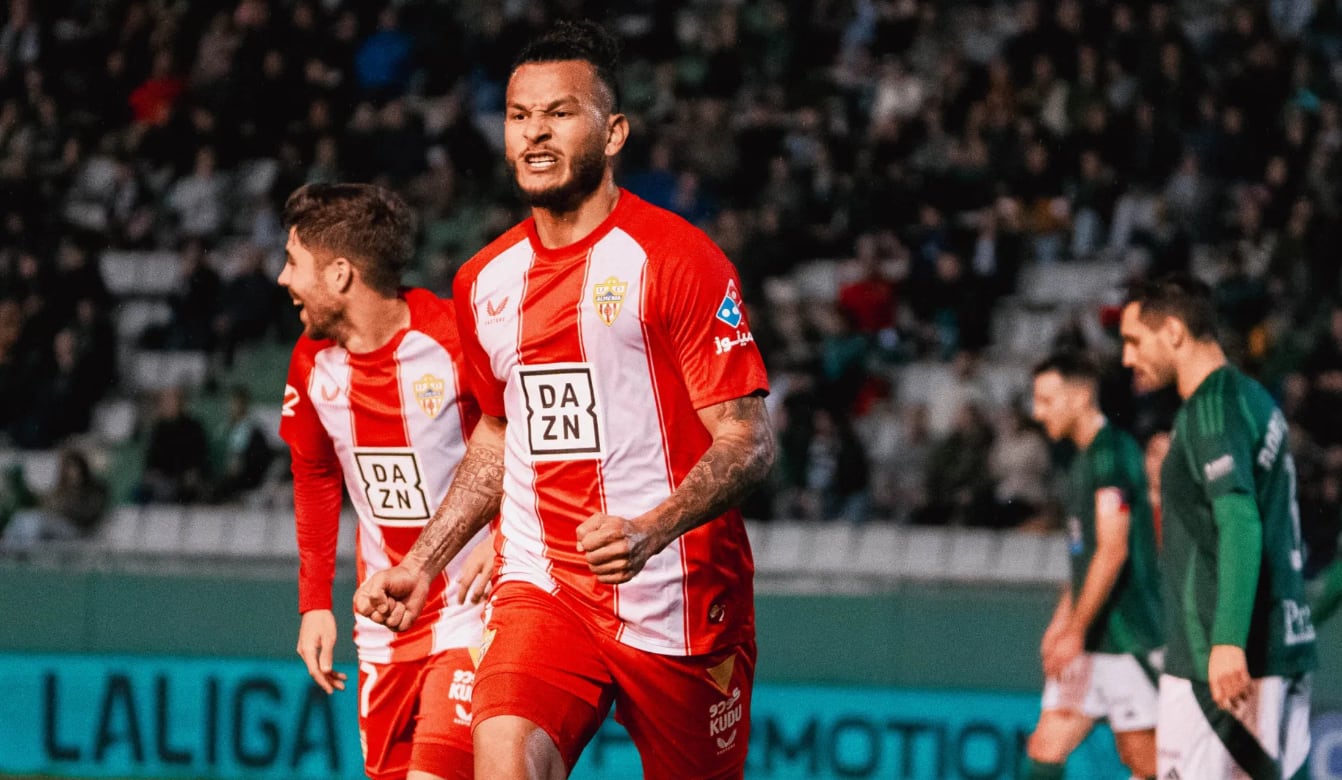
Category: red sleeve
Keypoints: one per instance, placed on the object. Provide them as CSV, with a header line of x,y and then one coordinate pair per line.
x,y
317,486
696,298
479,377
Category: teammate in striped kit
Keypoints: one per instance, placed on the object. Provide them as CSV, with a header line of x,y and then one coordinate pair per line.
x,y
1234,696
374,397
623,420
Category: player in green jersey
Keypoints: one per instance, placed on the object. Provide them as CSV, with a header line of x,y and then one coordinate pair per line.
x,y
1098,647
1234,696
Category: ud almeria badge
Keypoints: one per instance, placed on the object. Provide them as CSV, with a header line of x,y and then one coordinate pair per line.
x,y
608,297
430,392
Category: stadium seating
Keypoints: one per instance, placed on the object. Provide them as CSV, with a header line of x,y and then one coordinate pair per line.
x,y
882,553
789,556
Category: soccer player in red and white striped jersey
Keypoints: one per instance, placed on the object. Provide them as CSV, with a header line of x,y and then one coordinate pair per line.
x,y
374,400
623,420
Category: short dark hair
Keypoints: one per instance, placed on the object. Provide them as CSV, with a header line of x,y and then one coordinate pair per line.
x,y
578,40
1179,296
369,225
1071,365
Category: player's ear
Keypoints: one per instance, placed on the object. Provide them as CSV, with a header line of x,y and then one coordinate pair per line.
x,y
617,132
339,274
1174,331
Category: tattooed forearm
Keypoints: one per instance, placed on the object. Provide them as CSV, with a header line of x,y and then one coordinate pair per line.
x,y
472,500
735,464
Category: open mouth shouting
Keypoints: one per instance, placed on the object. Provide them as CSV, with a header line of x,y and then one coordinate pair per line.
x,y
540,161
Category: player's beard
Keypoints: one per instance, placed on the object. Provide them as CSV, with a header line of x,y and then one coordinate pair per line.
x,y
324,319
586,170
1154,377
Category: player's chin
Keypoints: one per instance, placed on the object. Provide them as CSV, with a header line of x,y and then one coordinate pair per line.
x,y
1144,382
314,330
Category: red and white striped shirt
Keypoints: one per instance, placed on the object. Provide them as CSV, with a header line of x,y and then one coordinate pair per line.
x,y
599,355
393,423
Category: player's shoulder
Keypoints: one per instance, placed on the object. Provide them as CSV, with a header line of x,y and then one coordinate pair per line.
x,y
426,306
306,350
1256,398
659,231
1123,443
515,235
431,314
1232,400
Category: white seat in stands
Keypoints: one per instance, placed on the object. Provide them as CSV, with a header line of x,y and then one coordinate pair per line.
x,y
925,554
973,553
878,548
830,549
161,528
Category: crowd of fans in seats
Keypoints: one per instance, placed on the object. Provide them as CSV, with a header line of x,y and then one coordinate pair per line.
x,y
934,149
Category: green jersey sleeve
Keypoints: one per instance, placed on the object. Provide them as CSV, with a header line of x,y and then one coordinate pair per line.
x,y
1223,447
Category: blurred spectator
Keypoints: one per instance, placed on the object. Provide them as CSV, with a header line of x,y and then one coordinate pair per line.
x,y
198,201
1019,462
1093,197
249,304
21,39
153,101
176,460
959,484
1321,411
836,470
77,503
72,510
195,303
62,395
953,307
869,302
247,454
382,63
1241,305
15,499
968,386
898,442
843,359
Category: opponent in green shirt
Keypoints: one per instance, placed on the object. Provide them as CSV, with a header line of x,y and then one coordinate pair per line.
x,y
1238,633
1229,453
1098,646
1110,472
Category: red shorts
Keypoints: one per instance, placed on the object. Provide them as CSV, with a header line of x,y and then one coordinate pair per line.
x,y
416,715
689,716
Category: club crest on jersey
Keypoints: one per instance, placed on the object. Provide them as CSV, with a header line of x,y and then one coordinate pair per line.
x,y
729,311
608,297
430,392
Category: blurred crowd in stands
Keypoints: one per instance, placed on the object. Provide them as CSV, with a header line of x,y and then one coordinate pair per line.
x,y
932,152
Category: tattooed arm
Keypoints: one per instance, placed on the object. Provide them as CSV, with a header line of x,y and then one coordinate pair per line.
x,y
735,464
394,597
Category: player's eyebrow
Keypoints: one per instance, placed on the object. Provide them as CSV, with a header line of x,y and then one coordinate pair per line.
x,y
552,105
